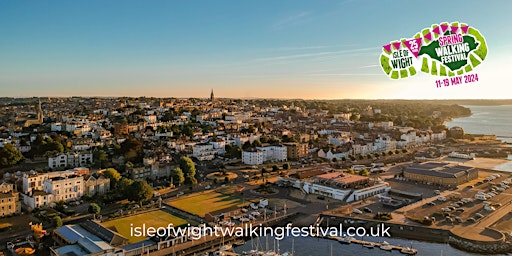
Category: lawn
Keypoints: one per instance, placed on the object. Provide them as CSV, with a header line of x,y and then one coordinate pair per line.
x,y
151,219
204,202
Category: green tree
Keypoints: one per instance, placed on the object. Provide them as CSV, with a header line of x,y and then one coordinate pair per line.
x,y
57,221
263,172
286,166
94,209
404,150
256,143
9,155
275,168
178,175
350,171
364,172
100,156
140,191
189,169
132,150
390,152
124,187
113,175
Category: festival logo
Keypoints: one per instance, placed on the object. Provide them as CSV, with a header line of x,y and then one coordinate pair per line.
x,y
445,50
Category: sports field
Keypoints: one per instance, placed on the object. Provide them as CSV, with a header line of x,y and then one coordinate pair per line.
x,y
150,219
204,202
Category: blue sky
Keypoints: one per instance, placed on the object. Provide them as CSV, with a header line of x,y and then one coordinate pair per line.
x,y
264,49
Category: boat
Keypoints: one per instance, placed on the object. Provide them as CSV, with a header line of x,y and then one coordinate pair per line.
x,y
369,245
409,251
226,247
346,239
386,246
239,242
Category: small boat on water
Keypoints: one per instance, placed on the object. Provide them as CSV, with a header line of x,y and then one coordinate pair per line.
x,y
346,239
409,251
239,242
369,245
226,247
386,246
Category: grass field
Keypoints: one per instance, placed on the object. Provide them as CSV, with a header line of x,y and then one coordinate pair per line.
x,y
209,201
151,219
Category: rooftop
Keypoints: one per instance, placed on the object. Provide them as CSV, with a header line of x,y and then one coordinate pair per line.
x,y
439,169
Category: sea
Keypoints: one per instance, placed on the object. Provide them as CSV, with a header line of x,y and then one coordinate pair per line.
x,y
311,246
495,120
491,120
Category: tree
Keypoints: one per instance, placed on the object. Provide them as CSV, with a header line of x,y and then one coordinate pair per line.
x,y
100,156
263,172
57,221
226,180
256,143
350,171
286,166
113,175
140,190
275,168
131,149
94,209
334,160
364,172
189,170
178,176
9,155
404,150
124,187
390,152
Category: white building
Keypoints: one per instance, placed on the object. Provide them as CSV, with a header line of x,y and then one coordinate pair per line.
x,y
252,156
65,188
70,159
274,153
204,151
38,199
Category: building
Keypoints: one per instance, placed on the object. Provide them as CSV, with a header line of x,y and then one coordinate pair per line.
x,y
212,96
87,238
274,153
456,132
44,189
9,200
252,156
37,198
204,151
337,185
296,151
440,173
70,159
97,186
65,188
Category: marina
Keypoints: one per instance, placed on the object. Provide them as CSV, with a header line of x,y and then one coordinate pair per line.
x,y
370,245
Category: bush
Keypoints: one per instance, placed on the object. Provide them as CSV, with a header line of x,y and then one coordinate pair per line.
x,y
57,221
383,216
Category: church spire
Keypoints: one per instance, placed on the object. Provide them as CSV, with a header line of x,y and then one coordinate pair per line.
x,y
212,97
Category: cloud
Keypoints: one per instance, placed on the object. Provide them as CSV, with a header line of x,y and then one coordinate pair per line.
x,y
316,54
293,20
370,66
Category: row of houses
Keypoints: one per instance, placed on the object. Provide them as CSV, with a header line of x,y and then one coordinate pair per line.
x,y
45,189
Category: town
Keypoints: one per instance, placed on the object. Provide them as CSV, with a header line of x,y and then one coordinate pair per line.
x,y
78,172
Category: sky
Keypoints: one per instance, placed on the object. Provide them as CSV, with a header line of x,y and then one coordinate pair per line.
x,y
240,49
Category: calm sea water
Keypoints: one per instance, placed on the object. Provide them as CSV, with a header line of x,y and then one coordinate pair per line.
x,y
309,246
495,120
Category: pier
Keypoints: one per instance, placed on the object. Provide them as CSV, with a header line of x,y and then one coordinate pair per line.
x,y
382,245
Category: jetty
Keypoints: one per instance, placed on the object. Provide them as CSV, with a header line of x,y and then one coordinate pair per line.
x,y
370,244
